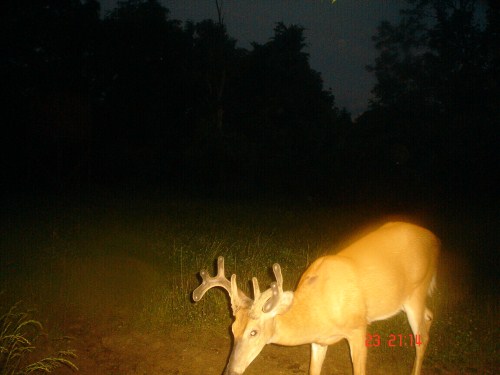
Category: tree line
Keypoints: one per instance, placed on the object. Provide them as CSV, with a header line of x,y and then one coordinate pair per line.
x,y
139,97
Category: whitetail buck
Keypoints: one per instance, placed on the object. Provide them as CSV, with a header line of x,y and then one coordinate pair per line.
x,y
389,270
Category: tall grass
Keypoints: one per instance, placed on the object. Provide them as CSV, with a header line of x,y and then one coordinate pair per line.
x,y
18,336
141,258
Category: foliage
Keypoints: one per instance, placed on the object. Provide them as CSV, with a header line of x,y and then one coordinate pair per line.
x,y
18,335
140,95
436,47
436,97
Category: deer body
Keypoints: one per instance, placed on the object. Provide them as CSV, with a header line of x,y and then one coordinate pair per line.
x,y
389,270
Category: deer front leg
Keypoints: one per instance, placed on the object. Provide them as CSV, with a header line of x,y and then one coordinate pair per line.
x,y
318,353
358,351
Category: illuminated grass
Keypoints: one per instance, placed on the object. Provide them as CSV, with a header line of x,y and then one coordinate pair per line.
x,y
18,335
142,259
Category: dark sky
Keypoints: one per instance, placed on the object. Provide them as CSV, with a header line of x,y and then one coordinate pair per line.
x,y
338,35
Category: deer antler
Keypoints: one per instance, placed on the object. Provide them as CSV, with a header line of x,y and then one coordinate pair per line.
x,y
276,289
267,301
256,289
211,282
208,282
264,302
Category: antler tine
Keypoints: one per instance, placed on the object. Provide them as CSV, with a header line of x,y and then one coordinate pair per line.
x,y
220,268
277,274
256,289
276,288
209,282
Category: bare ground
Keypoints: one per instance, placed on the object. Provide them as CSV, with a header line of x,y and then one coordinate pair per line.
x,y
109,348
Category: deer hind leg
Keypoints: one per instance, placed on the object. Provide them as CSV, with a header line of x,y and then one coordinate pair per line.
x,y
318,353
357,345
420,319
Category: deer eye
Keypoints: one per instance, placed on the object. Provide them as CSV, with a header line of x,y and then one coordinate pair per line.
x,y
253,332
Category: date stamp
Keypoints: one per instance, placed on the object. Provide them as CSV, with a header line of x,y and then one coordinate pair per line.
x,y
393,340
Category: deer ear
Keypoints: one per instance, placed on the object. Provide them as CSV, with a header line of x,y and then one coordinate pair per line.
x,y
285,303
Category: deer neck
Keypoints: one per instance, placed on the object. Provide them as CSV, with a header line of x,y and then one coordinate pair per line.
x,y
294,327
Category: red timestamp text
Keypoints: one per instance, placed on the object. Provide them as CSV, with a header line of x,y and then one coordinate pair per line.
x,y
392,340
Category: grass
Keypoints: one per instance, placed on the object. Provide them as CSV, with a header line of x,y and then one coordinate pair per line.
x,y
142,257
18,336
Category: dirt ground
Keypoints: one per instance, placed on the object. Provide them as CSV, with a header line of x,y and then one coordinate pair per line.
x,y
109,348
108,344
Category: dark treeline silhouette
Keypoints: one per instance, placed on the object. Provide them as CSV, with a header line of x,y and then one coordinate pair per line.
x,y
138,97
435,112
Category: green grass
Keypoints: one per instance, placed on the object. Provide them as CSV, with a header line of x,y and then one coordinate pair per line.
x,y
18,337
142,258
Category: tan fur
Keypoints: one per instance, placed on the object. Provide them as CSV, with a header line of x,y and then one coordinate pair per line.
x,y
389,270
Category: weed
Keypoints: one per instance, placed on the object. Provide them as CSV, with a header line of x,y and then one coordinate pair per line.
x,y
17,340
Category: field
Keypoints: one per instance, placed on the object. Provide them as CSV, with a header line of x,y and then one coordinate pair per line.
x,y
111,277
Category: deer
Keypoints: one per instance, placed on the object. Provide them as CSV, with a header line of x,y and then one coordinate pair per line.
x,y
389,270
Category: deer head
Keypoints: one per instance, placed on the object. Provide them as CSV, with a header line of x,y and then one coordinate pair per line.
x,y
253,326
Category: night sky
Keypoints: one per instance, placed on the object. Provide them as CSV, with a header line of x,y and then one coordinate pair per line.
x,y
338,35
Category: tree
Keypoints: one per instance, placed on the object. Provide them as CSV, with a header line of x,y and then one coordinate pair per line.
x,y
142,95
289,121
436,47
433,84
46,65
148,99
